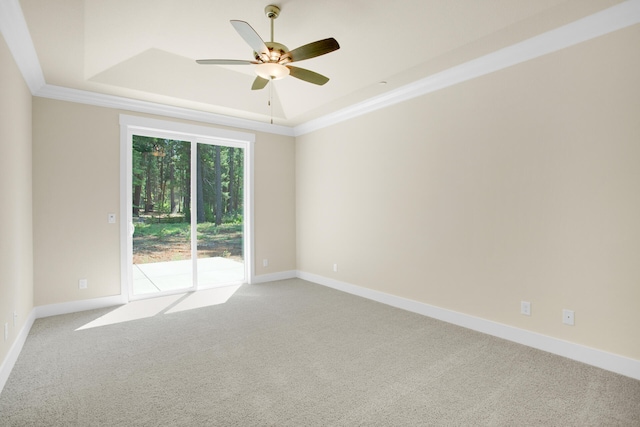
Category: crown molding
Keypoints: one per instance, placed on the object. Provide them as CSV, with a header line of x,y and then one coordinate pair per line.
x,y
14,29
612,19
16,33
122,103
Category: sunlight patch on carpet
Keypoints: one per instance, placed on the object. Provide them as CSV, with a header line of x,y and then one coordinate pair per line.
x,y
145,308
205,298
134,311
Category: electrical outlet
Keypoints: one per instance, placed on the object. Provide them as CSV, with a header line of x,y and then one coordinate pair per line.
x,y
111,218
15,318
265,262
335,268
568,317
82,284
525,308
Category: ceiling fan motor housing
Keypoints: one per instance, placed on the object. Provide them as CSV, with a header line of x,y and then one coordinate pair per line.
x,y
276,52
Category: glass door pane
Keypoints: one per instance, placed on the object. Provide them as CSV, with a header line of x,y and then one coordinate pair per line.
x,y
220,208
161,180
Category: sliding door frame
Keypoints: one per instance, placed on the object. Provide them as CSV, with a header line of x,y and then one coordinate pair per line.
x,y
194,134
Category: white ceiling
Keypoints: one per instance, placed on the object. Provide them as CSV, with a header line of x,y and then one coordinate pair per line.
x,y
146,49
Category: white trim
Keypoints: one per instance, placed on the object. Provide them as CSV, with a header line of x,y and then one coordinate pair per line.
x,y
118,102
193,210
614,18
77,306
126,225
16,33
272,277
249,211
172,129
12,356
591,356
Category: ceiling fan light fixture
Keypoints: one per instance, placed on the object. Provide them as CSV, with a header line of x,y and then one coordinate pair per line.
x,y
272,58
272,71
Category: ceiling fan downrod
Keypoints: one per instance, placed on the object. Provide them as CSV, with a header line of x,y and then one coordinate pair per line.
x,y
272,13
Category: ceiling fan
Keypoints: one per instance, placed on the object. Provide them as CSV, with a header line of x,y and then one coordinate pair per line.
x,y
272,59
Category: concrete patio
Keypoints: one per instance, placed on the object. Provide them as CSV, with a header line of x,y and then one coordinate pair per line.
x,y
174,275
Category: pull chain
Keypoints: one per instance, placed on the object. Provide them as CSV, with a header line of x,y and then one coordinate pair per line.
x,y
271,98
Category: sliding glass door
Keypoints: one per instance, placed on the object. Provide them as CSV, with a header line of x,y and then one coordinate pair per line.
x,y
187,214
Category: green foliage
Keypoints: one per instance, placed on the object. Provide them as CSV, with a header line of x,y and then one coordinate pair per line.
x,y
233,218
208,228
182,229
162,179
162,230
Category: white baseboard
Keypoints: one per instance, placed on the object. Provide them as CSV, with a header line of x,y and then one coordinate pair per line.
x,y
11,358
601,359
591,356
282,275
46,311
76,306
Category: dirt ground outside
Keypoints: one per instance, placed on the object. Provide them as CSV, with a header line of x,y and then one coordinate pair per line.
x,y
172,242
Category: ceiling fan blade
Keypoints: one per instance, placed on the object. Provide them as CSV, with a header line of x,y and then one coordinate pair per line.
x,y
307,75
251,37
314,49
259,83
225,62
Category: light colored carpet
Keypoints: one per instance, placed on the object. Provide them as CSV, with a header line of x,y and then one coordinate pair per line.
x,y
292,353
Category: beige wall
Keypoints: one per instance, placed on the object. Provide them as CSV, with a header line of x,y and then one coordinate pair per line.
x,y
520,185
76,184
16,238
275,213
76,175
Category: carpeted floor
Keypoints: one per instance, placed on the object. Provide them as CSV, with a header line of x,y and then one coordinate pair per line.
x,y
292,353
